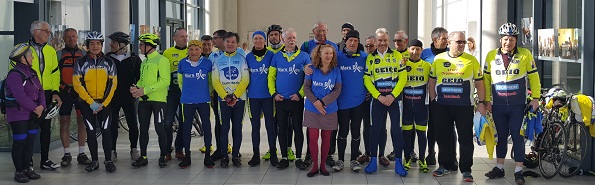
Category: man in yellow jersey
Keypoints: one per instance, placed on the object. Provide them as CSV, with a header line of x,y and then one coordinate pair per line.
x,y
453,78
506,73
385,78
174,55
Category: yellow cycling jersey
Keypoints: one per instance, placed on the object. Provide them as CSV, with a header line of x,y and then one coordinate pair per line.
x,y
385,74
506,86
418,73
405,53
175,55
455,78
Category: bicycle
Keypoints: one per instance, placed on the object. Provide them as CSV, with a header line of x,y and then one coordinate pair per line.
x,y
578,141
195,123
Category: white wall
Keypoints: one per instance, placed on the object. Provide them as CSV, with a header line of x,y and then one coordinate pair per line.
x,y
246,16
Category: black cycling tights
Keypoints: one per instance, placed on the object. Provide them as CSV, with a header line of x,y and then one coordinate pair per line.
x,y
101,121
145,110
128,106
23,134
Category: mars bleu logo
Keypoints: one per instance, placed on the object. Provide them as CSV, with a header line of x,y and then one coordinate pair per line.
x,y
261,70
199,75
290,70
327,85
355,68
231,73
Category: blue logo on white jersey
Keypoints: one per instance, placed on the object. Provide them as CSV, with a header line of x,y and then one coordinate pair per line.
x,y
231,73
456,90
507,87
414,91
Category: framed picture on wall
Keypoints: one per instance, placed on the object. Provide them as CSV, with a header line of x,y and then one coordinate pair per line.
x,y
568,43
546,43
527,31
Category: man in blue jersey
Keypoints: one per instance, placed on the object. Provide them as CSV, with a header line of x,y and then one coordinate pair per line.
x,y
230,79
261,101
285,81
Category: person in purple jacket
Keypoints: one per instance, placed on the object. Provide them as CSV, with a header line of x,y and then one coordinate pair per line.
x,y
24,105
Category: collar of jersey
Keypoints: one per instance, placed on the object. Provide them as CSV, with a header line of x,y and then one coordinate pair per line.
x,y
180,48
199,59
290,58
230,54
152,55
514,51
258,59
387,51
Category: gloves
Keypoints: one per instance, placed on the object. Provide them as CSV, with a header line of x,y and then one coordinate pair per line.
x,y
230,98
95,106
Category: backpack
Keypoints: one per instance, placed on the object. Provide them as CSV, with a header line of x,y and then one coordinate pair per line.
x,y
5,100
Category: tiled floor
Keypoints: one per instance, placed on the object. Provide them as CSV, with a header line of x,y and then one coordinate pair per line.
x,y
263,174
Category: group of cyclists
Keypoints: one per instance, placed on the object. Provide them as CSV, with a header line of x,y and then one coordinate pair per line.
x,y
327,87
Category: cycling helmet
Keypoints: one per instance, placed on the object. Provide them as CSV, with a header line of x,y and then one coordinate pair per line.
x,y
150,39
18,51
195,43
120,37
274,27
531,160
94,35
51,111
508,29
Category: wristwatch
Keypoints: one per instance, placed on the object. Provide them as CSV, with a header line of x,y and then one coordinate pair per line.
x,y
483,102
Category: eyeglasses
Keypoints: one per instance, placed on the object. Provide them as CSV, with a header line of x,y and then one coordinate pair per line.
x,y
398,40
46,31
461,42
369,45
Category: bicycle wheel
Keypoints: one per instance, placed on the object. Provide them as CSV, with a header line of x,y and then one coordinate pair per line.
x,y
197,124
576,150
552,150
122,121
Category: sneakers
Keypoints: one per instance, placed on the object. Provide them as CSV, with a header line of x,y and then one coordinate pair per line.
x,y
391,156
467,177
267,156
237,162
423,166
134,154
407,164
180,156
208,162
363,159
109,166
300,164
66,159
372,166
254,161
355,167
399,168
441,171
83,159
330,161
140,162
224,163
413,157
49,165
519,178
495,173
274,160
162,162
21,177
338,166
290,155
31,174
384,161
167,157
284,163
94,165
114,155
431,159
185,162
204,149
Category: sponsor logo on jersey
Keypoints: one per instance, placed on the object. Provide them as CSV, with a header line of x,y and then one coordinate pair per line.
x,y
231,73
199,75
416,78
355,68
414,91
452,90
260,70
446,64
290,70
452,81
419,69
408,68
516,61
175,55
377,61
327,85
460,65
506,87
498,61
508,72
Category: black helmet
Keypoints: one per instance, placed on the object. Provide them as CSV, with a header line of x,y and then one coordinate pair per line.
x,y
274,27
531,160
120,37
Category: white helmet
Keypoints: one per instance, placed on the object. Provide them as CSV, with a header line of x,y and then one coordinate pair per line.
x,y
51,111
508,29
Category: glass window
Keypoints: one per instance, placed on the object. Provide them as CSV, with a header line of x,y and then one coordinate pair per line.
x,y
74,14
7,16
173,10
6,45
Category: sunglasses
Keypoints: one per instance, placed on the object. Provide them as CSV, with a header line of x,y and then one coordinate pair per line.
x,y
398,40
369,45
461,42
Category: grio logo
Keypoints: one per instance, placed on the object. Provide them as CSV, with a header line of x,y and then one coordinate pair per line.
x,y
416,78
452,80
